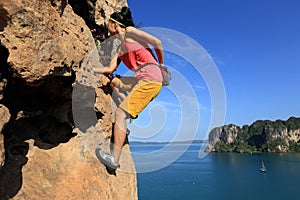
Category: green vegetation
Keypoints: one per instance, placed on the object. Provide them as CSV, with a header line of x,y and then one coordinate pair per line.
x,y
293,123
261,136
294,147
234,147
223,147
244,147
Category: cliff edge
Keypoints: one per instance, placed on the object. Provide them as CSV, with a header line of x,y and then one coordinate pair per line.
x,y
47,139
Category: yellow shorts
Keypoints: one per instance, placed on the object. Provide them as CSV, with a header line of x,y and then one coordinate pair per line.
x,y
140,95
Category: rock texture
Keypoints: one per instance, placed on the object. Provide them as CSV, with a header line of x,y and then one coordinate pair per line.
x,y
262,135
51,121
4,116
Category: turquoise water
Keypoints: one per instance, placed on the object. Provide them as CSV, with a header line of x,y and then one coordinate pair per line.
x,y
221,176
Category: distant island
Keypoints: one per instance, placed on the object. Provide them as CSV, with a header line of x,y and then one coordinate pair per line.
x,y
261,136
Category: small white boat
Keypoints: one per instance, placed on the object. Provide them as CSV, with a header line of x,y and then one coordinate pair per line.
x,y
263,168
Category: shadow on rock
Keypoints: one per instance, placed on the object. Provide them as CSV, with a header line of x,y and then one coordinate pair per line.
x,y
47,132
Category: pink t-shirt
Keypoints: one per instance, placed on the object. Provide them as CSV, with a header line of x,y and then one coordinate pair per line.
x,y
133,55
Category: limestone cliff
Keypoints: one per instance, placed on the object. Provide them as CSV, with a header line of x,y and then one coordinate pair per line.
x,y
262,135
47,137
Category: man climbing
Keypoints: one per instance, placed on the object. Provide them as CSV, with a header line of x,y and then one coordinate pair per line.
x,y
135,92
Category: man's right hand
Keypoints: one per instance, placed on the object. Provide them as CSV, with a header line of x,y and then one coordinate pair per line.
x,y
99,70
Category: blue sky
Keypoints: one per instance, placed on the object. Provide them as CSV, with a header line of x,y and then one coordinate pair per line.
x,y
254,44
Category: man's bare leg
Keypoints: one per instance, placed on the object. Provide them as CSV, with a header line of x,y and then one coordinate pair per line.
x,y
119,134
115,85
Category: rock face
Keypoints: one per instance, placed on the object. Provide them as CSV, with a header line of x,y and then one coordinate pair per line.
x,y
270,136
51,121
4,116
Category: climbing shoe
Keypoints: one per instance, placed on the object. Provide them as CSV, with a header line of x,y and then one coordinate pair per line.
x,y
106,159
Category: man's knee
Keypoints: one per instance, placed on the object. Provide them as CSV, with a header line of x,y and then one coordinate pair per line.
x,y
115,82
120,113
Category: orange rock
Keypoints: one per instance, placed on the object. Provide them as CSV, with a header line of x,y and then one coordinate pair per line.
x,y
49,157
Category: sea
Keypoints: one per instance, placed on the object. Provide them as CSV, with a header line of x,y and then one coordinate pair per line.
x,y
215,176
